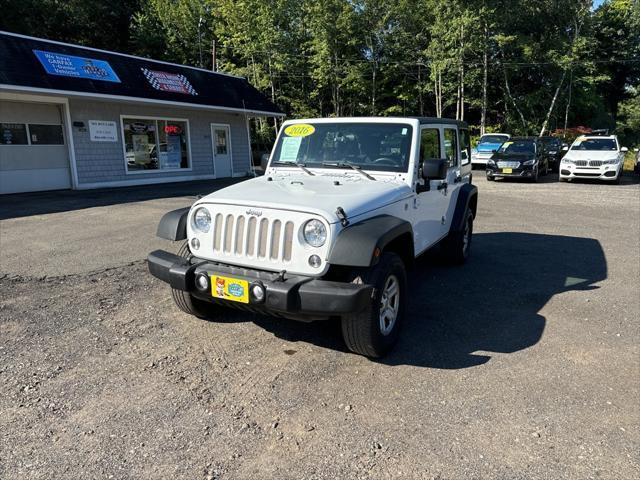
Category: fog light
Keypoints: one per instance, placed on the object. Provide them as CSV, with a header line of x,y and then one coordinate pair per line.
x,y
202,282
257,291
195,244
314,261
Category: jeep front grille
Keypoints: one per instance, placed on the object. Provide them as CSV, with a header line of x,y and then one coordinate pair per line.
x,y
252,237
581,163
595,163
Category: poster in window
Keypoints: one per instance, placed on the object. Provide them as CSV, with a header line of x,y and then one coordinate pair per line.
x,y
174,152
141,149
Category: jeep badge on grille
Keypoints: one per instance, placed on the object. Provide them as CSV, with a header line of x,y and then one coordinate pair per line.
x,y
257,213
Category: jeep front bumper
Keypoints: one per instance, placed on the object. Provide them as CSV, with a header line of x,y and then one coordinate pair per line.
x,y
292,296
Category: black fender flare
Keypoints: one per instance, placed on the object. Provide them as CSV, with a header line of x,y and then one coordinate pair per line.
x,y
360,244
467,200
173,225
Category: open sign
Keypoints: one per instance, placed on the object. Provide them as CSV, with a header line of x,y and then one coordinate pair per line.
x,y
173,130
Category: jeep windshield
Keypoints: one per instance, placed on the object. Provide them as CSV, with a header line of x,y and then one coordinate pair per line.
x,y
606,144
367,146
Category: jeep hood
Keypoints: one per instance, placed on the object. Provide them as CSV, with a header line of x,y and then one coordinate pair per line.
x,y
318,194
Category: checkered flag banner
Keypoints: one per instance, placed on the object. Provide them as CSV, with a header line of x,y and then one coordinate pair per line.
x,y
169,82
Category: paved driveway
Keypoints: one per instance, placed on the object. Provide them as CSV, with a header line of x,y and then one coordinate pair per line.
x,y
73,232
522,364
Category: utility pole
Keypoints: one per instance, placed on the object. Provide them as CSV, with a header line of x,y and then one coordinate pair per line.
x,y
214,67
200,39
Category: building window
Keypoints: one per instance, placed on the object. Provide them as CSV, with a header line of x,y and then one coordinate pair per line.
x,y
221,141
13,134
155,144
46,134
31,134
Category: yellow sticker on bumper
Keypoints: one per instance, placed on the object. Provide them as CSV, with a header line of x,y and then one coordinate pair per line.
x,y
231,289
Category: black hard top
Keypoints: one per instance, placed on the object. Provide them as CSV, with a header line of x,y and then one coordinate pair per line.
x,y
446,121
20,67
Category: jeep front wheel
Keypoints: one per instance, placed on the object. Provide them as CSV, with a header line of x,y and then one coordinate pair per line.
x,y
187,302
374,331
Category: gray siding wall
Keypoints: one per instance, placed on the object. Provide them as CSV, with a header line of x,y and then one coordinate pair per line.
x,y
104,161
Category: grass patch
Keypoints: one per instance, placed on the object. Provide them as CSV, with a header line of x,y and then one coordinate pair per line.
x,y
629,161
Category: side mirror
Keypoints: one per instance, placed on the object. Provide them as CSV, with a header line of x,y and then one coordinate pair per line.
x,y
494,151
264,161
434,169
565,148
636,149
624,149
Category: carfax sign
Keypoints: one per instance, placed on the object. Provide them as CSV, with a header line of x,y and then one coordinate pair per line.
x,y
78,67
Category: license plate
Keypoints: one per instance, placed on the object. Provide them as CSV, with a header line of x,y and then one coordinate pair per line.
x,y
507,170
231,289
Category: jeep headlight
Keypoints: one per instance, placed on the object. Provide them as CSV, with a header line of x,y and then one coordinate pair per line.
x,y
201,220
530,162
315,233
611,161
567,160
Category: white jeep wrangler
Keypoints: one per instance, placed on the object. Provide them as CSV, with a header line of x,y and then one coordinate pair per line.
x,y
344,207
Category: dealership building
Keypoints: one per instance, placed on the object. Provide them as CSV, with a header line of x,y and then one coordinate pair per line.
x,y
73,117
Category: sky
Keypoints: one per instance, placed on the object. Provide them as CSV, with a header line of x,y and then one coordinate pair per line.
x,y
597,3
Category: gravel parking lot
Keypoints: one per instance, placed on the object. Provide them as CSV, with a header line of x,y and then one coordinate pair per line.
x,y
524,363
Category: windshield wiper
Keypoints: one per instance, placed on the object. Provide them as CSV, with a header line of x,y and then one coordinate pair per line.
x,y
301,166
351,166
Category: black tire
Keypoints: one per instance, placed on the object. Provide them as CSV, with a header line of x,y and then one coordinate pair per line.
x,y
187,302
457,245
490,178
363,331
534,179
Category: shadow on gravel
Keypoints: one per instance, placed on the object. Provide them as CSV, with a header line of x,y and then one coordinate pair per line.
x,y
40,203
458,316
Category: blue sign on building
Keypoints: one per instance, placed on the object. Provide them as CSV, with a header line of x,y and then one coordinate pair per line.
x,y
78,67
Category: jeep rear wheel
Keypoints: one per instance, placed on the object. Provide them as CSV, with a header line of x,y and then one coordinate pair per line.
x,y
187,302
374,331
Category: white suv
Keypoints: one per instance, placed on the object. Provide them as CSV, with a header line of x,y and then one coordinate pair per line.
x,y
342,211
597,157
